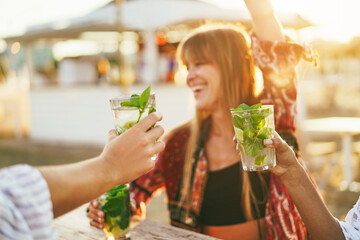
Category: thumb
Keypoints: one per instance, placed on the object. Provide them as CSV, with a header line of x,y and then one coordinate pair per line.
x,y
112,134
277,143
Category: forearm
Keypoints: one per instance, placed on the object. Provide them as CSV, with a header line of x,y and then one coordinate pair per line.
x,y
75,184
317,218
265,23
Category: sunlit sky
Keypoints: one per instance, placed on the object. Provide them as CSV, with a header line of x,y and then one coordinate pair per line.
x,y
15,15
335,19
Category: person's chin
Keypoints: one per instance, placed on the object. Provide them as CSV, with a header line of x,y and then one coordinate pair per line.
x,y
200,106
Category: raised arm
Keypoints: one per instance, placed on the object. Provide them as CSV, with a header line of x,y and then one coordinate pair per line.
x,y
266,25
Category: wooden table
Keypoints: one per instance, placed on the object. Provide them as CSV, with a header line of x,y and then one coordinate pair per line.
x,y
346,127
75,225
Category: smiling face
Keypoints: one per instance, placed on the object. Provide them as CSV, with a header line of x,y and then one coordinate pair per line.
x,y
220,67
204,81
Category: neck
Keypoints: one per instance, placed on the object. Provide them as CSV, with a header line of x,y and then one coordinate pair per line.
x,y
221,124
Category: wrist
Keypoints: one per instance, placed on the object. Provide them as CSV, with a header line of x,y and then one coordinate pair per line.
x,y
106,173
259,8
293,175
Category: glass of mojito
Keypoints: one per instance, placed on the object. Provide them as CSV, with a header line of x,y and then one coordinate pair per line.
x,y
127,111
116,206
253,124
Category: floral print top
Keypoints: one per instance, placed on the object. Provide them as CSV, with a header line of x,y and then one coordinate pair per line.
x,y
277,61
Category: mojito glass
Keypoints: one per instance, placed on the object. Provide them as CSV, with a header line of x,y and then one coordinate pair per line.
x,y
116,206
127,116
252,125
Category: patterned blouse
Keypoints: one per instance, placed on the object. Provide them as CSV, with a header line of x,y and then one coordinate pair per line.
x,y
351,226
277,61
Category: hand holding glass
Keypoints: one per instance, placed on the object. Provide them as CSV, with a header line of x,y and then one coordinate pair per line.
x,y
127,111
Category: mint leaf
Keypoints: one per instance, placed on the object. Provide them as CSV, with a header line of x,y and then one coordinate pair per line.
x,y
128,104
265,133
252,122
253,146
117,207
113,207
141,102
238,122
125,215
260,160
241,107
258,121
244,106
113,192
144,98
265,112
256,106
151,109
248,133
135,99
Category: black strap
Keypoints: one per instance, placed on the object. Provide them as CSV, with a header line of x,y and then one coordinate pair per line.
x,y
259,229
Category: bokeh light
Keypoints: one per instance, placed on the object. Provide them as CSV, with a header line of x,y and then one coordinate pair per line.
x,y
15,47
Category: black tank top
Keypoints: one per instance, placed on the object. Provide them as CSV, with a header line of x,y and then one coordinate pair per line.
x,y
222,197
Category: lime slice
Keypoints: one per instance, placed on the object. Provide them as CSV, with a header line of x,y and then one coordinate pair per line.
x,y
259,160
118,232
114,220
128,125
239,135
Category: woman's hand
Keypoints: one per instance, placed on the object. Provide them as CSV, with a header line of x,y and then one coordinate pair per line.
x,y
318,220
285,157
96,215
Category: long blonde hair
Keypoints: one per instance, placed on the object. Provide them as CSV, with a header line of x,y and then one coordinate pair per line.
x,y
227,47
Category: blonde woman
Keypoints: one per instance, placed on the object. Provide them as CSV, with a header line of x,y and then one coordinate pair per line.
x,y
207,189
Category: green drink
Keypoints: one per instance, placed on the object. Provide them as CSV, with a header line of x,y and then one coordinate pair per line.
x,y
116,206
127,116
252,125
129,110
